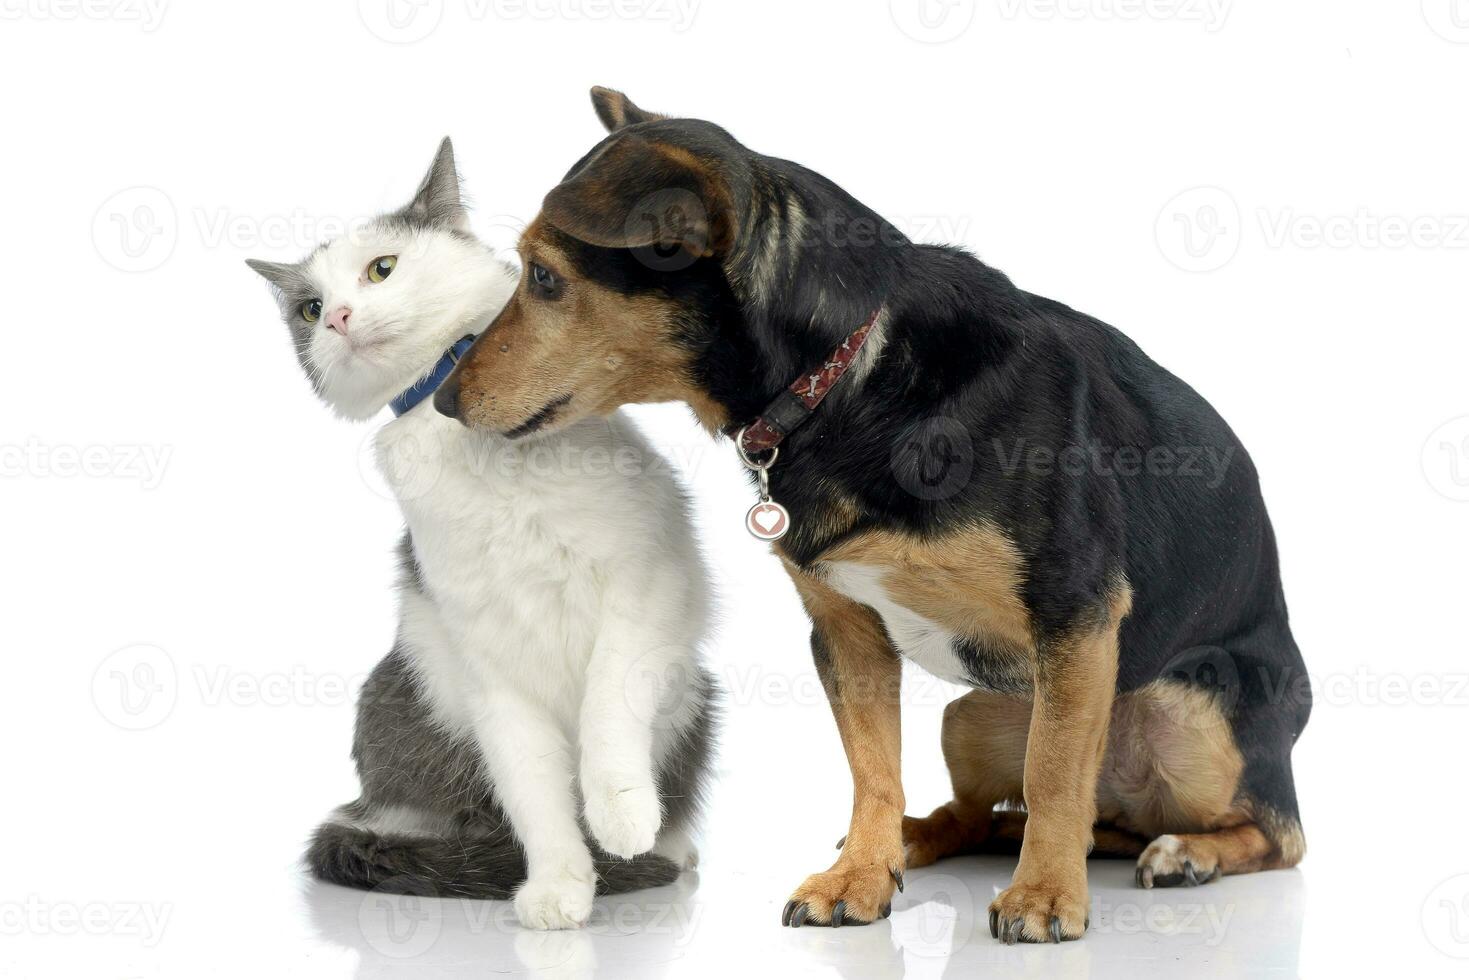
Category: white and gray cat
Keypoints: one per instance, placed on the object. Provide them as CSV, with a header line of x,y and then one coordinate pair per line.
x,y
546,665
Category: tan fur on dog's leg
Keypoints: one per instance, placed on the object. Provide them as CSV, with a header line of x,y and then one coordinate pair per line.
x,y
984,747
1075,683
862,675
1194,859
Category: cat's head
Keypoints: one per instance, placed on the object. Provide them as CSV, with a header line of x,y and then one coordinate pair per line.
x,y
371,312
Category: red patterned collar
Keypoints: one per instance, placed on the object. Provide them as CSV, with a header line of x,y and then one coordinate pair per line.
x,y
795,405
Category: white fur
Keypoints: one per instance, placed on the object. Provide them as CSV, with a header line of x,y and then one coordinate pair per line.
x,y
921,640
563,599
450,282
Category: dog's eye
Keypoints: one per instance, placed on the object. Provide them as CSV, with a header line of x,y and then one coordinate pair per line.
x,y
543,277
311,310
381,267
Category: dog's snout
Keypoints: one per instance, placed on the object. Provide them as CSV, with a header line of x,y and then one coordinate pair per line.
x,y
446,399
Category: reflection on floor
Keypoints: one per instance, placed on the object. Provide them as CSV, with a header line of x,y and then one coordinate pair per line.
x,y
1236,927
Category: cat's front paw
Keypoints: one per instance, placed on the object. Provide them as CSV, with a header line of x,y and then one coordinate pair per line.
x,y
624,815
558,900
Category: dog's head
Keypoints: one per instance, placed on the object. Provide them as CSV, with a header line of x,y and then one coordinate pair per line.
x,y
665,241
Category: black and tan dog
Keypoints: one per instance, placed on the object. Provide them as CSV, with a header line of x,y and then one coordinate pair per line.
x,y
1002,489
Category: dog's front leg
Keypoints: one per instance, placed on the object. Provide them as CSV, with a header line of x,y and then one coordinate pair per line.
x,y
1076,678
862,675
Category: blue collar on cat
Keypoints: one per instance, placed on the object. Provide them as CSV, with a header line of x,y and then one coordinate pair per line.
x,y
430,382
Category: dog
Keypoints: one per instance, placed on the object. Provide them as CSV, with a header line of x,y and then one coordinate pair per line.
x,y
1002,489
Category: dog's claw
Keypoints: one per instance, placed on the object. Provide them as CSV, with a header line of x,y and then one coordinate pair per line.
x,y
1055,929
842,843
1146,877
887,910
1013,929
838,912
800,915
994,924
785,915
897,877
1188,873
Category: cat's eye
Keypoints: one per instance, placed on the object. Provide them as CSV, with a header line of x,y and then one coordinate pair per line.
x,y
311,310
544,279
381,267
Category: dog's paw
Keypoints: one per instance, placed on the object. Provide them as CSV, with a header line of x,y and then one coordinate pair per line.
x,y
1039,913
1177,860
624,816
559,900
858,889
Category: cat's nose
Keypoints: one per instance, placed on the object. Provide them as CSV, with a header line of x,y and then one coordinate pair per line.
x,y
337,319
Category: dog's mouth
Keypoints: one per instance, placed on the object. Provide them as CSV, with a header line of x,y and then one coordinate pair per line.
x,y
539,419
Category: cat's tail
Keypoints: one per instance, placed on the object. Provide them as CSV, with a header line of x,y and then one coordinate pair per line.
x,y
465,867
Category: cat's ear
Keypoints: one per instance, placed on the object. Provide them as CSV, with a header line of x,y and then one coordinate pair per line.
x,y
617,110
438,201
280,275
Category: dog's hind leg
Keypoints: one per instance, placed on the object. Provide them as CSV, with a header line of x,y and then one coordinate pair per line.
x,y
1195,859
984,737
1215,790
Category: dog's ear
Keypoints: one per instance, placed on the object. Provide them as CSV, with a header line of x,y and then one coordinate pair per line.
x,y
636,193
617,110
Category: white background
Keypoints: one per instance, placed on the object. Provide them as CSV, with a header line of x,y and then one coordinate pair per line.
x,y
1269,197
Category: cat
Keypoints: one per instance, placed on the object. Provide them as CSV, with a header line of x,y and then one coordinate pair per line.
x,y
547,661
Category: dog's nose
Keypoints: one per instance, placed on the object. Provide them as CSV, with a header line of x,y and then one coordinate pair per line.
x,y
446,399
337,319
